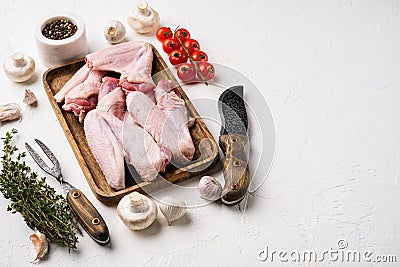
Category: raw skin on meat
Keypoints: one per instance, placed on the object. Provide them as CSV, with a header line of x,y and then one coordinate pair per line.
x,y
95,76
78,78
147,88
142,87
142,152
83,98
132,59
108,84
103,134
174,107
163,87
157,124
113,103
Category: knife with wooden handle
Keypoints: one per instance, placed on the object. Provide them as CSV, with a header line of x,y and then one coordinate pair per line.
x,y
234,142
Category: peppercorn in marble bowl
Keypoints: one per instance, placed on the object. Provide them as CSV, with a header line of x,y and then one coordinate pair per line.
x,y
61,38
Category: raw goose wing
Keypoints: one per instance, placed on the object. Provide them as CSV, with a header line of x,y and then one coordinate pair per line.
x,y
113,103
83,97
156,123
132,59
143,152
78,78
108,84
103,134
175,108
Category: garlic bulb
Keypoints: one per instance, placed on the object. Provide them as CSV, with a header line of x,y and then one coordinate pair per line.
x,y
114,32
143,19
9,112
41,245
137,211
210,188
30,98
172,209
19,67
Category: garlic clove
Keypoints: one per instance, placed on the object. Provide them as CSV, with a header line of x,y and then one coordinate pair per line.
x,y
30,98
137,211
172,209
41,245
19,67
9,112
114,32
209,188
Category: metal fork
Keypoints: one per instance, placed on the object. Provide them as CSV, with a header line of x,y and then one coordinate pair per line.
x,y
54,171
86,213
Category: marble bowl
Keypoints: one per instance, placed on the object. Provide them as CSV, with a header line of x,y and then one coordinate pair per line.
x,y
55,52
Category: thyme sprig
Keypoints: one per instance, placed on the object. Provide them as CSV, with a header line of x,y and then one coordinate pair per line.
x,y
41,207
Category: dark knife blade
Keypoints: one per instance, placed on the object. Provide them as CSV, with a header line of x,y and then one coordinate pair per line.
x,y
233,140
233,111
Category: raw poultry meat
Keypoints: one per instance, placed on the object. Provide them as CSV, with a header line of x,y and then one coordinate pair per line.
x,y
146,88
142,87
108,84
143,152
153,131
163,87
78,78
132,59
113,103
83,97
158,125
175,108
103,134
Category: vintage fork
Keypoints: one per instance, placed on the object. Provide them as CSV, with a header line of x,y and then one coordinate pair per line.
x,y
86,213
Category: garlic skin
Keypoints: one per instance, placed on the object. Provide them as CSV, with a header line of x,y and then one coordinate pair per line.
x,y
143,19
41,245
30,98
19,67
137,211
172,209
9,112
209,188
114,32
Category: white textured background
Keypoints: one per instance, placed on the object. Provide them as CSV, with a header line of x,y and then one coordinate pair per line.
x,y
330,72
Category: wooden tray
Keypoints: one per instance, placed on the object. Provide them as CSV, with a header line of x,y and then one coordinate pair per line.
x,y
55,78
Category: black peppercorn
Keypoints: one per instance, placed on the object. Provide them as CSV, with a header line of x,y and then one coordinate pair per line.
x,y
59,29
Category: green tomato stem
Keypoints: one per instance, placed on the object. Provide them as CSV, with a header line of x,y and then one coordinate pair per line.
x,y
191,59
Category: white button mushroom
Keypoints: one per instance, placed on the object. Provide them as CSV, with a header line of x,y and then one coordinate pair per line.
x,y
137,211
19,67
143,19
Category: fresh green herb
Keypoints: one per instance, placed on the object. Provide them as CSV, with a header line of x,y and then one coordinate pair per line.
x,y
42,208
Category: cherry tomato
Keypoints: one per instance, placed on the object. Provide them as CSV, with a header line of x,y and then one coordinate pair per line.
x,y
186,72
170,45
206,69
182,34
199,55
163,33
191,45
177,57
